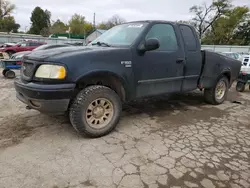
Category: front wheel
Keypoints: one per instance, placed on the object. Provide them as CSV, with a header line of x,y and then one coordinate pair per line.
x,y
240,87
96,111
218,93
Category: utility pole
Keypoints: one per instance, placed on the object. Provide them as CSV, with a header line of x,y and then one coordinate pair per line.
x,y
94,21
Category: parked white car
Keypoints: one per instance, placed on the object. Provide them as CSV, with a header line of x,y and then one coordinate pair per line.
x,y
245,67
244,76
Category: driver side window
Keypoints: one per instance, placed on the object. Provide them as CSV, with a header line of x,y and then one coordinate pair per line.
x,y
166,35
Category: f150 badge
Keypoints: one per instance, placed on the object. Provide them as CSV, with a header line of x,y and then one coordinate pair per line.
x,y
127,64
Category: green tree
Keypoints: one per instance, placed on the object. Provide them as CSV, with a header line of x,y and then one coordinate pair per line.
x,y
242,35
7,22
205,15
45,32
40,20
102,25
76,24
224,29
113,21
88,28
58,27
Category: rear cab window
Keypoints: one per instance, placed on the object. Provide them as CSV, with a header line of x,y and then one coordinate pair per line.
x,y
189,38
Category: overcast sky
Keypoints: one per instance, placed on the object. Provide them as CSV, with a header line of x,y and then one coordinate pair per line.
x,y
128,9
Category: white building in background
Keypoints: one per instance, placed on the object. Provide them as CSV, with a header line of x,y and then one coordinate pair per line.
x,y
94,35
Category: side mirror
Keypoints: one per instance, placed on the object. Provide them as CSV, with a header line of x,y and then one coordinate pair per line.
x,y
151,44
18,45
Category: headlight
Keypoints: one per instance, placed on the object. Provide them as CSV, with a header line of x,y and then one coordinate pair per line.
x,y
17,57
51,72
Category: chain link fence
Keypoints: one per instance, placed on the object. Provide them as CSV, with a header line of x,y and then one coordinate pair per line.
x,y
14,38
227,48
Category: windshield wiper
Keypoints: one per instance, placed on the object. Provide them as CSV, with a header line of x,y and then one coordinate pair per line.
x,y
101,43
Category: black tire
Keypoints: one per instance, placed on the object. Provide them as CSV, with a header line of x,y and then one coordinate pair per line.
x,y
210,94
240,86
78,110
10,74
4,71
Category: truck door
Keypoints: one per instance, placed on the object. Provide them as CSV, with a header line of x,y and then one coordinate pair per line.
x,y
193,64
161,71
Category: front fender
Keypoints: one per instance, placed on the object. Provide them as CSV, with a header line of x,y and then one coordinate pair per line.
x,y
100,72
106,74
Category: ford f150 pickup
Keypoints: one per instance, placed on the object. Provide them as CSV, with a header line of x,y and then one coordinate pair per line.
x,y
129,61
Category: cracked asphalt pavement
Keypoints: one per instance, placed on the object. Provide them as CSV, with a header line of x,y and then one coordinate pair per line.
x,y
177,141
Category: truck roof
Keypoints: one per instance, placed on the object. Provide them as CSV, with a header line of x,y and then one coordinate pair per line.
x,y
155,21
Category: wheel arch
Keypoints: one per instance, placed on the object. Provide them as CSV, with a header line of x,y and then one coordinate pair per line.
x,y
105,78
227,73
10,51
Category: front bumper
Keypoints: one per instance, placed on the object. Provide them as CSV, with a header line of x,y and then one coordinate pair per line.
x,y
45,98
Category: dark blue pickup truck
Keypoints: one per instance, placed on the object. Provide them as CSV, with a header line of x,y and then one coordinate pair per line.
x,y
129,61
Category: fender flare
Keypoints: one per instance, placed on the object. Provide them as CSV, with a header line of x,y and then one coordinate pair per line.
x,y
227,72
122,80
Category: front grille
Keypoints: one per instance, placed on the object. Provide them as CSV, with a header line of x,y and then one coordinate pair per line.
x,y
28,69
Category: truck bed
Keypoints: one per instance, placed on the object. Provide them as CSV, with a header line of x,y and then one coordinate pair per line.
x,y
214,65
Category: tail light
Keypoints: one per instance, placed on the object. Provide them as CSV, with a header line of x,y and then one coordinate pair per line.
x,y
244,73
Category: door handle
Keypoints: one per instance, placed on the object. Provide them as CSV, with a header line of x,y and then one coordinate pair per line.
x,y
180,60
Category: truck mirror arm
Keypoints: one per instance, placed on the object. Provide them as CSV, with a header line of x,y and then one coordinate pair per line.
x,y
141,48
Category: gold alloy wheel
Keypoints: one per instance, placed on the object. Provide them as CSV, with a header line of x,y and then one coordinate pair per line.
x,y
220,90
99,113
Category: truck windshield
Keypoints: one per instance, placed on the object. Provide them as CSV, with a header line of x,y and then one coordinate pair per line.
x,y
121,35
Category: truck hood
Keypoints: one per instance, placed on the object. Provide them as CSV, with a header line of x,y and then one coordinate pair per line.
x,y
43,55
21,53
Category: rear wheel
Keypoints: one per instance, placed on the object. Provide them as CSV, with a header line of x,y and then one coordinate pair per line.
x,y
240,87
4,71
10,74
96,111
218,93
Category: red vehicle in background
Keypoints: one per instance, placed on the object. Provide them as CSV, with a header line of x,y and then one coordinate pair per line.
x,y
22,46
